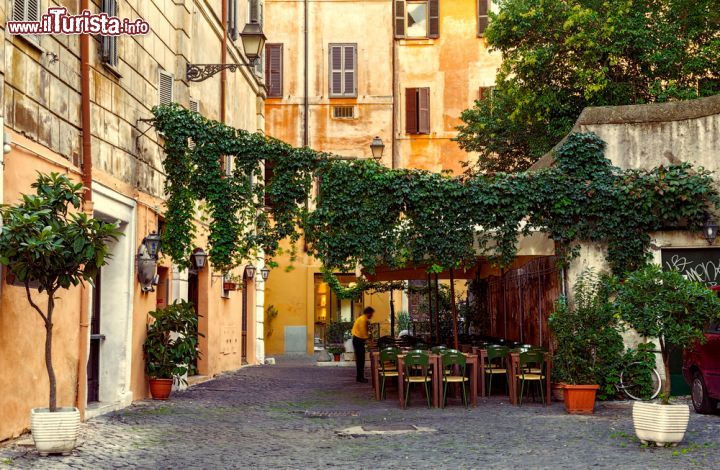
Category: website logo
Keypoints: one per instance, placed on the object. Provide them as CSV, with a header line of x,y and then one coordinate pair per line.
x,y
57,21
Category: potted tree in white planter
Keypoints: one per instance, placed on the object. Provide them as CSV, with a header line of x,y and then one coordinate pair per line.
x,y
664,305
46,243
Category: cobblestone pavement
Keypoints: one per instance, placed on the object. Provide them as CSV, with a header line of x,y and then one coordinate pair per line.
x,y
255,418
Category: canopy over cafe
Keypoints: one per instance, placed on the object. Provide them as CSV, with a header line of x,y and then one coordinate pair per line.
x,y
515,301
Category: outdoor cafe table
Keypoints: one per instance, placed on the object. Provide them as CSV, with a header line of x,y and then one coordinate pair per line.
x,y
513,372
435,366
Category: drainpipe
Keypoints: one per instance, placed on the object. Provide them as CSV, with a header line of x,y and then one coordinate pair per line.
x,y
395,97
306,105
223,60
87,208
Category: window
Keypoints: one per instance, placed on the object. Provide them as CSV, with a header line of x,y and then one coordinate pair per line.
x,y
343,70
27,10
109,44
344,112
417,19
417,110
227,165
232,20
485,92
165,88
483,18
274,70
194,105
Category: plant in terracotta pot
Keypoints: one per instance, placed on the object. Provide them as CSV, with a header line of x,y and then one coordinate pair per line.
x,y
336,351
171,347
49,247
231,282
588,345
664,305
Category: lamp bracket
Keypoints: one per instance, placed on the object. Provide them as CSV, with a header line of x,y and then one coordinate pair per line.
x,y
201,72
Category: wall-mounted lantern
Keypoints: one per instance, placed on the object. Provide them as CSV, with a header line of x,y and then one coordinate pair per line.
x,y
377,147
199,258
710,230
152,243
265,273
250,271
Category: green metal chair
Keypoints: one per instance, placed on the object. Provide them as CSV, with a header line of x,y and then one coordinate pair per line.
x,y
388,367
453,371
497,364
438,349
532,369
416,368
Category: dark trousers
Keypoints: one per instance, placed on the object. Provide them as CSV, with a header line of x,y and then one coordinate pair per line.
x,y
359,348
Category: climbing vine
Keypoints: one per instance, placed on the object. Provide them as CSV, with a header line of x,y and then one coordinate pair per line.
x,y
366,214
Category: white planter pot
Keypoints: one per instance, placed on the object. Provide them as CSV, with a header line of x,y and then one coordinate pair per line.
x,y
661,424
55,433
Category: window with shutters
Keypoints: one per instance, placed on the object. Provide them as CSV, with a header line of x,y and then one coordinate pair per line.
x,y
232,20
417,110
194,105
274,70
486,92
27,10
483,16
343,70
109,44
416,19
166,83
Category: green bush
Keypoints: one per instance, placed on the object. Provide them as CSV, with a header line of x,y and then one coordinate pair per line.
x,y
338,332
588,346
664,305
171,346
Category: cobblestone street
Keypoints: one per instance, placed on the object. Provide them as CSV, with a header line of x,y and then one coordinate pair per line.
x,y
256,418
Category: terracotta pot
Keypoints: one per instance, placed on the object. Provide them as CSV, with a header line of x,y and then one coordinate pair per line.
x,y
337,357
558,392
580,399
160,388
229,286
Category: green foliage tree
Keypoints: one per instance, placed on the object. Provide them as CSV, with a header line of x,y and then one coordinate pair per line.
x,y
171,345
560,56
45,242
664,305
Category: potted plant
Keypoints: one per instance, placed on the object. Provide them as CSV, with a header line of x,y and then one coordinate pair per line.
x,y
230,282
47,244
171,347
336,351
664,305
588,344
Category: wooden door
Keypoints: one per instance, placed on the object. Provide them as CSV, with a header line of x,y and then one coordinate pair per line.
x,y
93,366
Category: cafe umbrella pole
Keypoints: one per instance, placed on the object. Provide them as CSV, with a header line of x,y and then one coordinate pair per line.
x,y
392,315
430,312
454,309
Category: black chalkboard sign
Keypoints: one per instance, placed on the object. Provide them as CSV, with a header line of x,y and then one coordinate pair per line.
x,y
697,264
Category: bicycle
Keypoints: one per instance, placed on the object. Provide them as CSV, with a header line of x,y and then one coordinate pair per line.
x,y
636,384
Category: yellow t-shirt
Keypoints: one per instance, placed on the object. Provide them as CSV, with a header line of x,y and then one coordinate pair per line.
x,y
360,327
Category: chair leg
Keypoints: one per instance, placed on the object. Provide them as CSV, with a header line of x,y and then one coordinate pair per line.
x,y
542,392
427,394
490,385
382,388
464,391
407,394
522,390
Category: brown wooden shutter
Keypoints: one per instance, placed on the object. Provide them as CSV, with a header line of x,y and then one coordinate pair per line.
x,y
433,18
399,18
411,110
423,110
483,18
274,70
349,70
336,70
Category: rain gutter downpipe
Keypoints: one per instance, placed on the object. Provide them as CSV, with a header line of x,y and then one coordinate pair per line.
x,y
87,167
306,104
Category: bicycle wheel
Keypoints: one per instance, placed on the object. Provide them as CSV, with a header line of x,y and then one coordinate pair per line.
x,y
639,382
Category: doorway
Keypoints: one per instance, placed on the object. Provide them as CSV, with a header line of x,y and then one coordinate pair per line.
x,y
194,298
93,366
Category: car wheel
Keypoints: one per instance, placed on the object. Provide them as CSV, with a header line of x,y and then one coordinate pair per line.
x,y
700,399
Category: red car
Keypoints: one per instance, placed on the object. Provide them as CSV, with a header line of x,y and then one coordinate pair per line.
x,y
701,368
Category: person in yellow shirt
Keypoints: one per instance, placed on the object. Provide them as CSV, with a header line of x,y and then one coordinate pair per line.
x,y
360,334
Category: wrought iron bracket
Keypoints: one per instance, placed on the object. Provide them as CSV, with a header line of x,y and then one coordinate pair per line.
x,y
201,72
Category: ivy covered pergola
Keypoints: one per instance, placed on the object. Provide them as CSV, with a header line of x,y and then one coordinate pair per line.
x,y
364,214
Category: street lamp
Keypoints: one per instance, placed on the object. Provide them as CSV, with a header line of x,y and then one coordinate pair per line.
x,y
253,40
377,147
152,244
250,271
265,273
199,258
710,230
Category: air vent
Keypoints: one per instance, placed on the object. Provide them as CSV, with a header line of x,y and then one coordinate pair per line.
x,y
344,112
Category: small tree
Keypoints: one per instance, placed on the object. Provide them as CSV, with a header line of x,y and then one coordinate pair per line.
x,y
664,305
43,243
171,346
